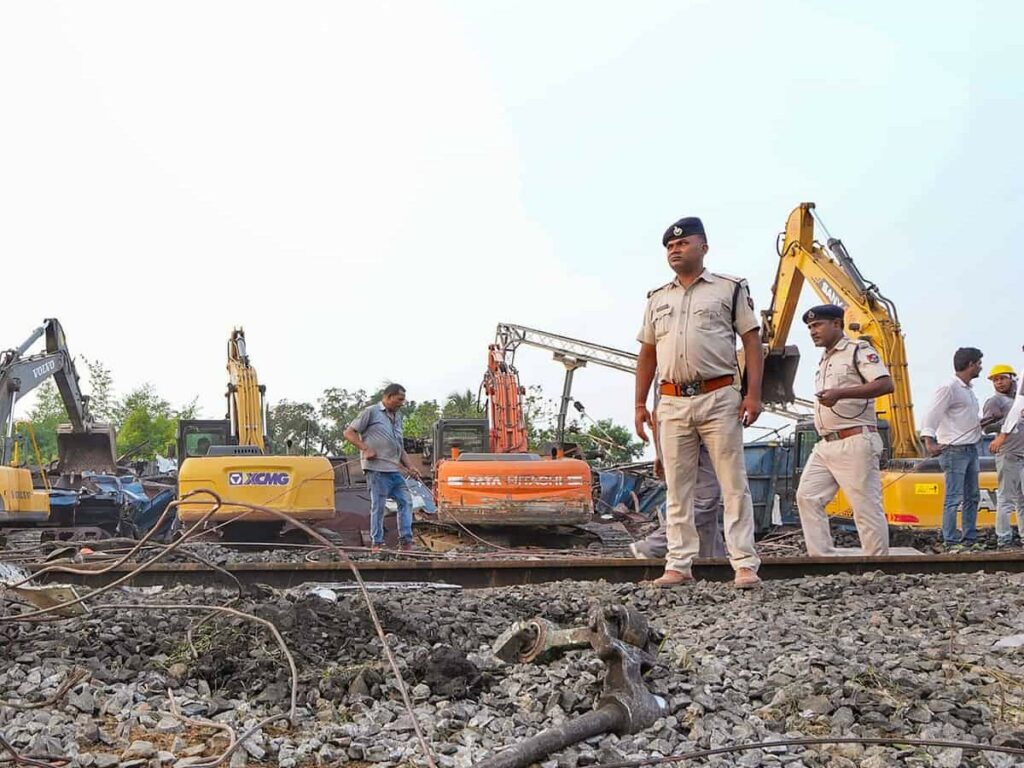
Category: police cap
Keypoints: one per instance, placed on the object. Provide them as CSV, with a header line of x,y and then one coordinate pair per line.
x,y
686,226
823,312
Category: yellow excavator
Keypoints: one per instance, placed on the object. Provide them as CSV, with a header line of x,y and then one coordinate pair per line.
x,y
912,484
82,445
232,458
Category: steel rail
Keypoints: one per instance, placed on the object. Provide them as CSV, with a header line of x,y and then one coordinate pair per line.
x,y
492,572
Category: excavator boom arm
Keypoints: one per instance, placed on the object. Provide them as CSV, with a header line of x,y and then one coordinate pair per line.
x,y
20,375
508,421
835,279
246,407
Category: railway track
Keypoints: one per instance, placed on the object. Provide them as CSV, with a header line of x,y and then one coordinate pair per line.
x,y
478,573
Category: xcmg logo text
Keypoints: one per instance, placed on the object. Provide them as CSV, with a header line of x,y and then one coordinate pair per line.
x,y
258,478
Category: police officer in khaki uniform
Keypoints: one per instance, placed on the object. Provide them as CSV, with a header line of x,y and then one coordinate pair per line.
x,y
850,376
689,336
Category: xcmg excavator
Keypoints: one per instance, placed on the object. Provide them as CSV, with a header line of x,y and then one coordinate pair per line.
x,y
912,484
232,458
82,446
505,484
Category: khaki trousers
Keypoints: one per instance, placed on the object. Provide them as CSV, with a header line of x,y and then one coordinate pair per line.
x,y
683,423
850,464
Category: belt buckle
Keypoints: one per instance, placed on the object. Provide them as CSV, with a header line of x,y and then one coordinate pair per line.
x,y
690,389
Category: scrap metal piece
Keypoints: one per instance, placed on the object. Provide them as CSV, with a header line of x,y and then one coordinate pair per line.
x,y
538,640
42,597
49,595
623,640
440,541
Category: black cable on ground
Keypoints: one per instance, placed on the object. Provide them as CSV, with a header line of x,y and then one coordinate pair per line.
x,y
872,740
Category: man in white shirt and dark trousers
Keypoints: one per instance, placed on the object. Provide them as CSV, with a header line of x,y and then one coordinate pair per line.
x,y
952,430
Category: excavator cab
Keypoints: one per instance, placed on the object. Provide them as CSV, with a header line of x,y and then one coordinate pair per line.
x,y
464,435
196,437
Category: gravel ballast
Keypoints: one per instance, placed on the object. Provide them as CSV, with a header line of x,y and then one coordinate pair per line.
x,y
873,655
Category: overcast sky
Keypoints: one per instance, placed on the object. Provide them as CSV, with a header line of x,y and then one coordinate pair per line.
x,y
368,188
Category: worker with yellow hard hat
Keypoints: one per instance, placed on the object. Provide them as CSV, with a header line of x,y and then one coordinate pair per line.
x,y
1001,370
1009,450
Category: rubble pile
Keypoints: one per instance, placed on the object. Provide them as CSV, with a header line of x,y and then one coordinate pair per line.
x,y
914,656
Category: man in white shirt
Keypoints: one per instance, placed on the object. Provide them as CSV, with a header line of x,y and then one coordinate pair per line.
x,y
952,430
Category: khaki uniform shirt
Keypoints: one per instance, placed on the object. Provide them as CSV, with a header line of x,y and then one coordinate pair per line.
x,y
693,328
839,369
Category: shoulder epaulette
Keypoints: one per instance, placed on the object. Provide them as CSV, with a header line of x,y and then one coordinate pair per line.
x,y
730,278
655,290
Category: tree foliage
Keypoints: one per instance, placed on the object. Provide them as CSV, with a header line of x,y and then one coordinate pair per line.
x,y
335,409
462,405
143,419
46,413
605,441
146,423
298,422
601,441
420,418
100,391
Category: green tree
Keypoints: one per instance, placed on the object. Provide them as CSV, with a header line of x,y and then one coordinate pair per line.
x,y
146,423
462,405
146,433
605,441
540,414
46,413
610,443
298,422
420,418
100,391
337,408
142,398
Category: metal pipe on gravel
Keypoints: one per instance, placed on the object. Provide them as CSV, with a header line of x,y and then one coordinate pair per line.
x,y
533,750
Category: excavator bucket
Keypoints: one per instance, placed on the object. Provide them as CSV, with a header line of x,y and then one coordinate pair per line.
x,y
779,375
91,451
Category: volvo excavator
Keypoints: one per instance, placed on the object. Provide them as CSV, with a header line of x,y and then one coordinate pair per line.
x,y
232,458
504,483
82,446
912,483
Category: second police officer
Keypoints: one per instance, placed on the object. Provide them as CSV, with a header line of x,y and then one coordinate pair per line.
x,y
850,376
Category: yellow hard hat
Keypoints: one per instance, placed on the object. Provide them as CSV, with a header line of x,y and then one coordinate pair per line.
x,y
1001,370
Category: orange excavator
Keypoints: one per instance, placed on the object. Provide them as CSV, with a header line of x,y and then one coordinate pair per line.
x,y
505,484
